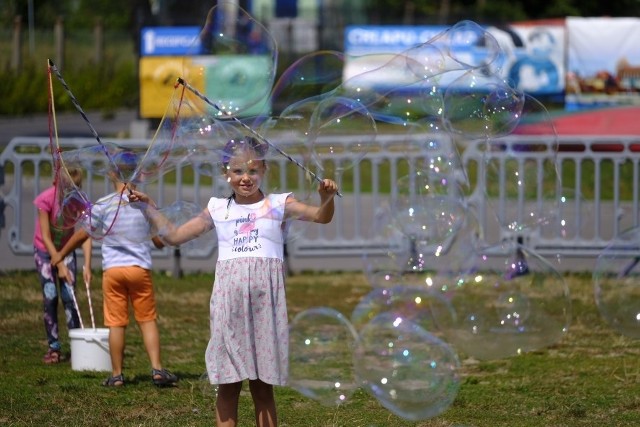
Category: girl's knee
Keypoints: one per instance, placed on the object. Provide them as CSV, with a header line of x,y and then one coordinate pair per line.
x,y
261,390
229,390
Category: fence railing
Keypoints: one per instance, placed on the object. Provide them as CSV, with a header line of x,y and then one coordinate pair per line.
x,y
583,195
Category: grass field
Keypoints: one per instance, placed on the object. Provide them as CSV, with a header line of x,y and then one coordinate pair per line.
x,y
590,378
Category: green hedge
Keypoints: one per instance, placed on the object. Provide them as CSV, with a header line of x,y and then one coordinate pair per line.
x,y
107,87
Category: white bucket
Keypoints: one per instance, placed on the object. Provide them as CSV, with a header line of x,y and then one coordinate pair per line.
x,y
90,349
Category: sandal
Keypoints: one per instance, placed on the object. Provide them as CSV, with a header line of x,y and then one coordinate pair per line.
x,y
117,381
52,357
163,378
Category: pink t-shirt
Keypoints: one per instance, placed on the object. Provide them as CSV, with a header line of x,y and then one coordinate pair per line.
x,y
46,201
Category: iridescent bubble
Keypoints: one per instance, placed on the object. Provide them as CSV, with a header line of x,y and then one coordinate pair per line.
x,y
321,344
384,259
571,216
314,74
427,210
414,94
71,203
341,133
508,304
458,46
482,105
408,370
208,390
180,212
290,133
417,304
522,180
106,159
233,64
616,283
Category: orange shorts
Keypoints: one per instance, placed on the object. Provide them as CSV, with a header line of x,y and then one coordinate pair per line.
x,y
123,284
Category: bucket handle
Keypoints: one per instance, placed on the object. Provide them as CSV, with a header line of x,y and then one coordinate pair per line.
x,y
99,342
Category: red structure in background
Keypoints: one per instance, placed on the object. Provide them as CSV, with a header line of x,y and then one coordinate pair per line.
x,y
615,121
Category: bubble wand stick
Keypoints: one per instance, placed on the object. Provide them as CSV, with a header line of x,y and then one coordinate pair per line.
x,y
75,303
76,104
93,319
250,129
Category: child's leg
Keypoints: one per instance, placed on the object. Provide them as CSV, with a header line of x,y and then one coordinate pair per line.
x,y
143,301
116,348
116,314
264,402
151,339
48,278
227,404
67,292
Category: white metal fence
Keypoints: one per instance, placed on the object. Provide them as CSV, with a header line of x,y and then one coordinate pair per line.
x,y
597,199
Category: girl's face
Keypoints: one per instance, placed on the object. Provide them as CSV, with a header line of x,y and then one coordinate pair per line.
x,y
244,173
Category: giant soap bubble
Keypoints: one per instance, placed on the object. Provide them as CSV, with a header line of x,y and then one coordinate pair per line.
x,y
616,283
321,343
408,370
510,302
233,64
419,305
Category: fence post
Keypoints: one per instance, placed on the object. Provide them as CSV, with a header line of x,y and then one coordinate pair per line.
x,y
16,49
98,39
176,270
58,36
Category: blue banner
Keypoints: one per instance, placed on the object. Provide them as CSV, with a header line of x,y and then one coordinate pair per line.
x,y
167,41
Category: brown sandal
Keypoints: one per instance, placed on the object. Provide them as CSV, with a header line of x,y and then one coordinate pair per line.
x,y
163,378
117,381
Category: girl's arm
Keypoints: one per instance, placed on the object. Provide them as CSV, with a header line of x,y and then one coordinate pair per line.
x,y
168,232
45,228
78,238
322,214
56,256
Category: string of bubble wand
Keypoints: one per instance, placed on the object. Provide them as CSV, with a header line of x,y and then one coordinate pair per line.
x,y
253,132
53,68
53,135
76,104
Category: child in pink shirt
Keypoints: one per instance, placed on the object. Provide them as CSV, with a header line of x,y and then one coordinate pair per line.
x,y
52,231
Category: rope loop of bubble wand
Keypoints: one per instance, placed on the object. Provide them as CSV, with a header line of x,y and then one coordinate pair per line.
x,y
76,104
74,100
250,129
53,132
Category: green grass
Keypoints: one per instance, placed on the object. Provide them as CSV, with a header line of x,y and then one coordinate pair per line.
x,y
590,378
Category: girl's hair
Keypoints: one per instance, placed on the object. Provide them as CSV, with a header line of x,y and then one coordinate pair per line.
x,y
234,146
124,164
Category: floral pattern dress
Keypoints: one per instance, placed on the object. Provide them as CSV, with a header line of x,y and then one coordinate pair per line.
x,y
249,325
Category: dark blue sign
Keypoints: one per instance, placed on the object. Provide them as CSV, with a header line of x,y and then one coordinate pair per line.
x,y
169,41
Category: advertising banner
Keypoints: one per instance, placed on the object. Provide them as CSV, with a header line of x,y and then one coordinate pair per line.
x,y
168,53
603,62
530,57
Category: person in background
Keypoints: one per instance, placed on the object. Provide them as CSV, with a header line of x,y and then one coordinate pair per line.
x,y
54,226
126,278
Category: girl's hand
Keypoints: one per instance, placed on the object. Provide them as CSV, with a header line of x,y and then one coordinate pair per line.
x,y
55,259
136,196
86,274
327,188
64,272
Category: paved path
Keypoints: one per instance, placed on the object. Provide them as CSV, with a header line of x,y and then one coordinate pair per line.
x,y
70,124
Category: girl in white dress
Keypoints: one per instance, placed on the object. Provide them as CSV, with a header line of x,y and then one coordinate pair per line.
x,y
249,329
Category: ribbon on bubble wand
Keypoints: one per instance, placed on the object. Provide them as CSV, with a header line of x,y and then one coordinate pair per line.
x,y
76,104
203,97
53,68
